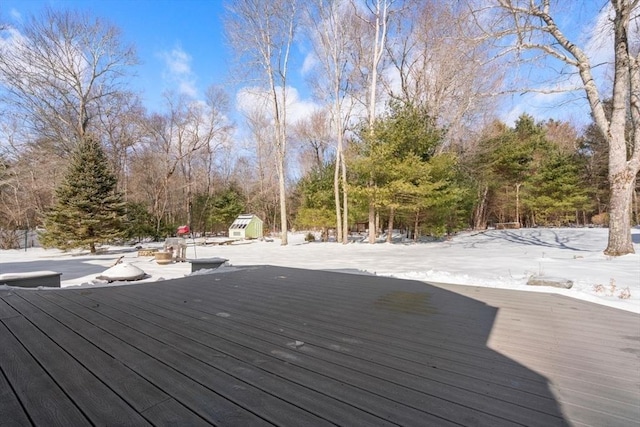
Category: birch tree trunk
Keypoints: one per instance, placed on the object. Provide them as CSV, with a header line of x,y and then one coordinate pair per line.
x,y
332,21
379,10
480,214
392,212
262,32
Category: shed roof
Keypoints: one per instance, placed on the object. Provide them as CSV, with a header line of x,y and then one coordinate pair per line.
x,y
242,221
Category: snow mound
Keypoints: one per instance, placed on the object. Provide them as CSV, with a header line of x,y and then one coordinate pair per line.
x,y
122,272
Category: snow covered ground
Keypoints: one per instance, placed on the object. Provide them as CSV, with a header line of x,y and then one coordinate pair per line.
x,y
493,258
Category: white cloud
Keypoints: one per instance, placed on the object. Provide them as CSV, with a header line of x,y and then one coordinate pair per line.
x,y
15,15
178,71
599,37
251,99
297,108
309,63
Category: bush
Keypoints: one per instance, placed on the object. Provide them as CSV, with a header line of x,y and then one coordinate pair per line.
x,y
600,219
310,237
9,239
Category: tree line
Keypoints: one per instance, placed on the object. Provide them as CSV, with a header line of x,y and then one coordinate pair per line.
x,y
531,174
405,136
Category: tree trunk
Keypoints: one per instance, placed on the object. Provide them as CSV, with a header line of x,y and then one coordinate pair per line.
x,y
392,212
336,194
518,203
634,202
379,42
345,208
283,208
480,214
372,223
620,242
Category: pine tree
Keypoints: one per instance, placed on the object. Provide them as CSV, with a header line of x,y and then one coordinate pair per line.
x,y
556,192
89,209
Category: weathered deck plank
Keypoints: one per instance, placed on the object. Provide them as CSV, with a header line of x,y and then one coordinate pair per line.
x,y
138,392
277,346
11,411
239,361
44,401
96,401
476,394
596,375
158,364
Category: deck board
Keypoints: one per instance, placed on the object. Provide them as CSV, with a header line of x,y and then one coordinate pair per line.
x,y
94,399
140,394
331,363
279,346
160,365
43,399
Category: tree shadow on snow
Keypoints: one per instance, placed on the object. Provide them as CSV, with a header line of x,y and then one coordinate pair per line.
x,y
547,238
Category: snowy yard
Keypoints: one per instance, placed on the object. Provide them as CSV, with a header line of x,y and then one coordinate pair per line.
x,y
493,258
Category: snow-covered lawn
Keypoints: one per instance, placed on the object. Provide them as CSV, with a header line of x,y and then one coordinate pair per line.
x,y
493,258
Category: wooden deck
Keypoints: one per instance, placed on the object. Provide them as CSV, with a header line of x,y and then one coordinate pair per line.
x,y
277,346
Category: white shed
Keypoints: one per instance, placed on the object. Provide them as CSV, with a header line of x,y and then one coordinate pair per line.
x,y
246,226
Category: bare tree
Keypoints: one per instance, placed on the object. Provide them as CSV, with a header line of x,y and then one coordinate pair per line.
x,y
312,138
262,33
206,131
333,32
20,187
376,17
57,69
533,26
257,174
444,66
217,130
120,125
175,140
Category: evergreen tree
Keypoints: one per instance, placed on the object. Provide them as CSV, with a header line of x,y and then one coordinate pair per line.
x,y
140,222
595,152
89,209
316,208
504,165
401,173
556,192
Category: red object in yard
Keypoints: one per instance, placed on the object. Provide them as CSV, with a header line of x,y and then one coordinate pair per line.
x,y
183,229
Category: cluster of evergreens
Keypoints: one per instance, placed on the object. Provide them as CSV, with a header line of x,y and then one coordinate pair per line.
x,y
416,183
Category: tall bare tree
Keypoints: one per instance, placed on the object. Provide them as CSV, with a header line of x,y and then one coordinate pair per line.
x,y
333,32
119,122
217,129
257,175
262,33
444,66
533,25
57,68
376,16
178,144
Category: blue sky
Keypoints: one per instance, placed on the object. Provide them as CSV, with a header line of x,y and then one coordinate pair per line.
x,y
181,46
180,43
